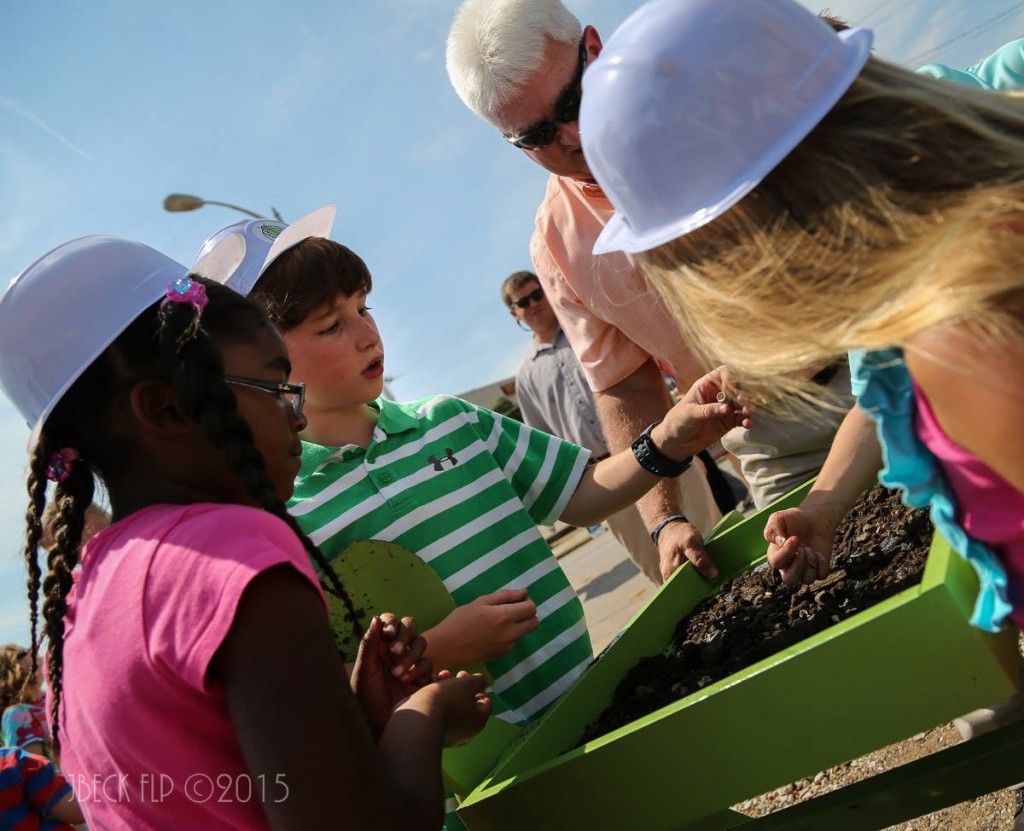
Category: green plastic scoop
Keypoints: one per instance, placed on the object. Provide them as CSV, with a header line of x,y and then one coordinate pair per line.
x,y
387,577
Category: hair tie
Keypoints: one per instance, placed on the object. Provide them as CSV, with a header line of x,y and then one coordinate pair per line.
x,y
186,290
60,466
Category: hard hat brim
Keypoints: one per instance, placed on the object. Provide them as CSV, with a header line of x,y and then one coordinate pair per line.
x,y
618,235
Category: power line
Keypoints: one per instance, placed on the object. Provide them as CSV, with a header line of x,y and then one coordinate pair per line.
x,y
935,50
949,12
866,17
886,18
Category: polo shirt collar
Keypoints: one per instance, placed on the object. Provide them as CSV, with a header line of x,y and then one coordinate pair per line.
x,y
315,456
590,191
391,420
536,347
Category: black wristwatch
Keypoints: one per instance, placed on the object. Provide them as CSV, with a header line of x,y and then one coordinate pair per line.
x,y
651,458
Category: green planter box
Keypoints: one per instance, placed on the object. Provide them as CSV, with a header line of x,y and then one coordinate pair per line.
x,y
905,665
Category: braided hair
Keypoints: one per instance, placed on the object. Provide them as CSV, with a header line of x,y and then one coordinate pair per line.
x,y
175,341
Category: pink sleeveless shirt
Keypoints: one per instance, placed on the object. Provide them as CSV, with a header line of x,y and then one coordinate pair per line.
x,y
989,508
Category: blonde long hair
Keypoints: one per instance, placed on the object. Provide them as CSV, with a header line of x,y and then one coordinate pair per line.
x,y
902,210
16,680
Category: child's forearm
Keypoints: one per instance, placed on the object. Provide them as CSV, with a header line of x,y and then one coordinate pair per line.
x,y
606,488
662,450
67,811
439,647
851,466
411,749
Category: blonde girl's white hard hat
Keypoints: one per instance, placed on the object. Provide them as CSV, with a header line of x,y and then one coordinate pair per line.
x,y
691,103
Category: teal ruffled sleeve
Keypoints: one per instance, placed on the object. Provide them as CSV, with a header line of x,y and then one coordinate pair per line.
x,y
884,390
1002,70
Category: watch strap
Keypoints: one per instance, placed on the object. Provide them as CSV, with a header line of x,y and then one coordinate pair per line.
x,y
656,533
650,458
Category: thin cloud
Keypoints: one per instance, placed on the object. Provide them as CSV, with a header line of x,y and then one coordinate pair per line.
x,y
17,108
302,78
32,189
395,256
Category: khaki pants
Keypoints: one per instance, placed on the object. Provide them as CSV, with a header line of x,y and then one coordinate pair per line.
x,y
777,455
698,504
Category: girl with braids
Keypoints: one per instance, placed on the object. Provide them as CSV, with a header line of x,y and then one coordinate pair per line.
x,y
191,666
802,199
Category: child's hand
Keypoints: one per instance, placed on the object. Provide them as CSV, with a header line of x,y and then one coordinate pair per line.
x,y
461,702
700,419
405,649
800,543
482,630
389,667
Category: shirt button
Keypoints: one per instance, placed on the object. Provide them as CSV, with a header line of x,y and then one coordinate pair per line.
x,y
387,478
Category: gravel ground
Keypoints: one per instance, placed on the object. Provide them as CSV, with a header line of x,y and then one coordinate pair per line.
x,y
993,812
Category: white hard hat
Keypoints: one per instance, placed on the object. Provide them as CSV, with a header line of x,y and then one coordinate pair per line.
x,y
691,103
61,312
221,258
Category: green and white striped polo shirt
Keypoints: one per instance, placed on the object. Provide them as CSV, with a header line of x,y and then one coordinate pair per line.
x,y
464,488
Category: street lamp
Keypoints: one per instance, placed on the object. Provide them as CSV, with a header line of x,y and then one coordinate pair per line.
x,y
178,202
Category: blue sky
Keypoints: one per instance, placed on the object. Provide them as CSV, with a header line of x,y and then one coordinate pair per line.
x,y
107,106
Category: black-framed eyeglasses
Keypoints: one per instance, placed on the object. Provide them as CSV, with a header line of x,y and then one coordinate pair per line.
x,y
567,109
292,394
524,302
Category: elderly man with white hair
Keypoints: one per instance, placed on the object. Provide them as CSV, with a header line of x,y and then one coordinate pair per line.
x,y
519,64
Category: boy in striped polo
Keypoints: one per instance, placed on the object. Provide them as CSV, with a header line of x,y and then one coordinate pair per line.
x,y
461,486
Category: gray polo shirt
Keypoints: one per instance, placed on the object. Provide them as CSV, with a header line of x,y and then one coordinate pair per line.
x,y
554,395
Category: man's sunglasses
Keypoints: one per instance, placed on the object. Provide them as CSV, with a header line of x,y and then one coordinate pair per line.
x,y
293,394
524,302
567,109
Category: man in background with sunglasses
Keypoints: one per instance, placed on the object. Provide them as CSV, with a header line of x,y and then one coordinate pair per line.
x,y
554,396
519,65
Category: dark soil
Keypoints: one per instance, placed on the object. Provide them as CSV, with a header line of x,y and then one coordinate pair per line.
x,y
880,549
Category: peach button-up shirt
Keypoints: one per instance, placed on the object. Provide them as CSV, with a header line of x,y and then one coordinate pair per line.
x,y
611,316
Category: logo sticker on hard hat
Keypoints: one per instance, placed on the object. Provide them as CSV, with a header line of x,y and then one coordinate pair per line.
x,y
269,232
